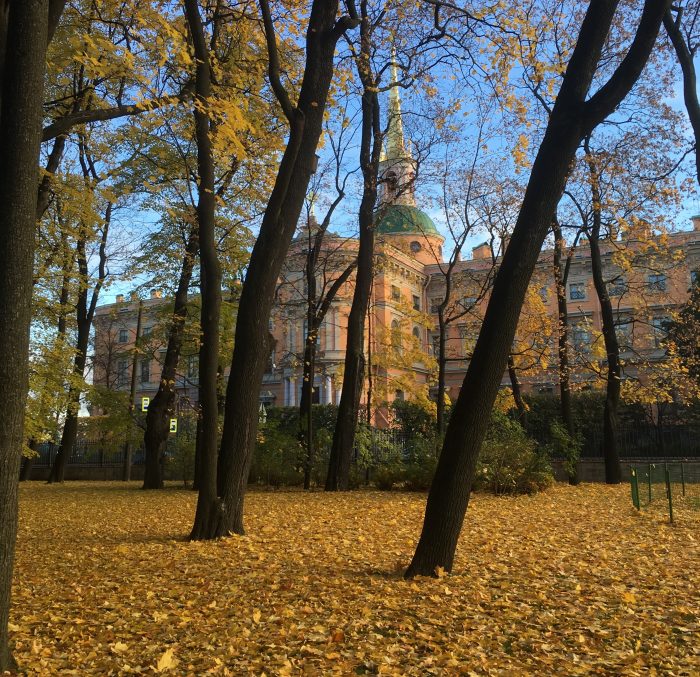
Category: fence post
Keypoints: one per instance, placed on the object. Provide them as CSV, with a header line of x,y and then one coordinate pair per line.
x,y
635,487
649,482
669,494
682,479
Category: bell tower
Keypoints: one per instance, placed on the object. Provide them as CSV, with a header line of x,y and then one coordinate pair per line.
x,y
397,169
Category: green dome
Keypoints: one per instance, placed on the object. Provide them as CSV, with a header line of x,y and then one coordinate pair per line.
x,y
403,219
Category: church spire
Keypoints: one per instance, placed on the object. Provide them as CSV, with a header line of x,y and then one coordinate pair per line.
x,y
395,146
396,166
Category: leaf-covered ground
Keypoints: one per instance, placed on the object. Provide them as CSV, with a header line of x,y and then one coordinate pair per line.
x,y
573,581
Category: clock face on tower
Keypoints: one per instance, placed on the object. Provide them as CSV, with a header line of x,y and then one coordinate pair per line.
x,y
415,247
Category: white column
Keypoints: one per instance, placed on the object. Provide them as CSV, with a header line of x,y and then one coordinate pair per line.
x,y
328,391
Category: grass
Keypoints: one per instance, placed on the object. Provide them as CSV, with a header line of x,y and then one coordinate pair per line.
x,y
572,581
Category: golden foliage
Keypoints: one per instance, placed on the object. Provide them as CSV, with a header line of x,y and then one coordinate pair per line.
x,y
572,581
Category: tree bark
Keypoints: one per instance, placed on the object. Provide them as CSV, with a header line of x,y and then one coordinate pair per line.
x,y
561,274
690,90
306,423
128,446
338,478
517,391
611,454
85,313
23,36
251,348
161,406
442,359
208,516
573,116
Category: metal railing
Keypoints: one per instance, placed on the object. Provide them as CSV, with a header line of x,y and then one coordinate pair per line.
x,y
673,488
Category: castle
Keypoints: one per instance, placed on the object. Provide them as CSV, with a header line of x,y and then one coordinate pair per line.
x,y
401,335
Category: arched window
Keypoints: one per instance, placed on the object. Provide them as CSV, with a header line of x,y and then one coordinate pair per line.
x,y
395,334
416,335
392,185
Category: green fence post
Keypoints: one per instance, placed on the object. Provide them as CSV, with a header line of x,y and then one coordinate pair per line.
x,y
683,479
669,494
635,488
649,482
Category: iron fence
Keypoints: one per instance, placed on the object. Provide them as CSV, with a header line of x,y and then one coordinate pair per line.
x,y
672,488
646,441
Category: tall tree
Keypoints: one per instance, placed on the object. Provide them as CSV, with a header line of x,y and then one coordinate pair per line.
x,y
611,455
354,372
562,265
161,406
208,515
24,33
574,115
251,348
85,306
682,31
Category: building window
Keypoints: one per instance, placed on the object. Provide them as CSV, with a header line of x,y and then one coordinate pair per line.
x,y
192,367
435,345
544,294
123,335
467,339
468,302
398,395
395,293
656,282
617,287
624,333
392,185
395,334
659,326
146,331
416,302
416,335
122,366
577,291
415,246
145,371
435,305
317,338
581,337
694,277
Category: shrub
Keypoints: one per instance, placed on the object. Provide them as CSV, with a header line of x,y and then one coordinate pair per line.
x,y
564,446
182,459
277,459
420,463
510,462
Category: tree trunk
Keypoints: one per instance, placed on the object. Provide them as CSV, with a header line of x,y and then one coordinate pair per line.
x,y
690,91
160,407
442,363
561,273
128,445
611,454
306,431
517,391
28,463
338,478
23,36
208,515
573,116
84,315
251,349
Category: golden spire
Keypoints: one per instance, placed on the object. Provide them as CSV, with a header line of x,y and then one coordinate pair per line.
x,y
395,146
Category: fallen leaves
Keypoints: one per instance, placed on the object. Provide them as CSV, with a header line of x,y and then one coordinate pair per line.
x,y
572,581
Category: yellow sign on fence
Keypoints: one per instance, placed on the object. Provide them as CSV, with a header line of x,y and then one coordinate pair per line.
x,y
173,425
145,401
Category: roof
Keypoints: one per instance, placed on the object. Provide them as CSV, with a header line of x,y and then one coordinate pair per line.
x,y
404,219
